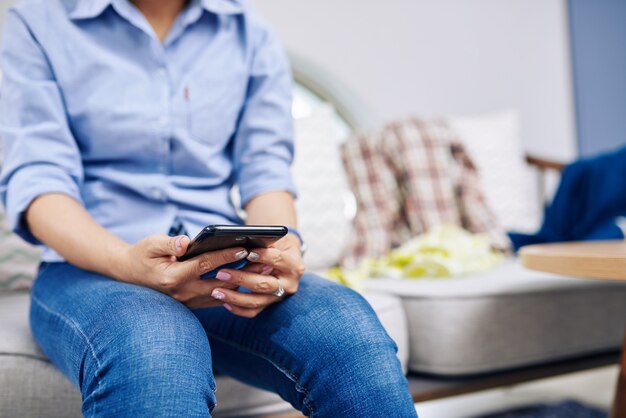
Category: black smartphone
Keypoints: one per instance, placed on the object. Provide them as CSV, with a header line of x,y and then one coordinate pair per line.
x,y
218,237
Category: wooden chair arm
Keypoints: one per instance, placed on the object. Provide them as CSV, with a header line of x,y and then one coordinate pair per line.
x,y
543,164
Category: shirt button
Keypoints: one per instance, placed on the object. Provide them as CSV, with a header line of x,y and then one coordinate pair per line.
x,y
158,194
163,120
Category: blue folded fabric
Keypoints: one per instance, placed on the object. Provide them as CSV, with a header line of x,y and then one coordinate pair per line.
x,y
564,409
590,200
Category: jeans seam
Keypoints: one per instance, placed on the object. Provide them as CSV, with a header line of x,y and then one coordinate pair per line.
x,y
284,370
74,326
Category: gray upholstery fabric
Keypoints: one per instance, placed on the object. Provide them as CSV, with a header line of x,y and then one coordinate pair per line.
x,y
18,260
15,337
30,386
507,318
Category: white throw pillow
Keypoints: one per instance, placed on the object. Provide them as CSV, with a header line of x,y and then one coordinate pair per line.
x,y
493,141
323,204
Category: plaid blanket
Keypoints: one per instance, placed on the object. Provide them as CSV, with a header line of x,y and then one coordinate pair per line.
x,y
407,178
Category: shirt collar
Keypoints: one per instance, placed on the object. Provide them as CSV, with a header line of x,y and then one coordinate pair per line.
x,y
228,7
87,9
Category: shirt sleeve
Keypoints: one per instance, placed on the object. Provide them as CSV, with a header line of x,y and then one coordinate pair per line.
x,y
40,153
264,149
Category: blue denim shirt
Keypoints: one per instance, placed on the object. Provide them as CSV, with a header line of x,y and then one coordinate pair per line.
x,y
141,132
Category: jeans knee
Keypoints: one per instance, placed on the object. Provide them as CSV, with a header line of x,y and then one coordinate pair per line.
x,y
132,351
348,321
160,329
155,346
352,350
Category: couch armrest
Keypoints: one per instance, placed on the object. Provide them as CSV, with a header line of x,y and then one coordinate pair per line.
x,y
544,167
543,164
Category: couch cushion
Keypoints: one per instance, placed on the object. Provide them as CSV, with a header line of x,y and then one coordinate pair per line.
x,y
18,260
508,317
494,144
30,386
323,192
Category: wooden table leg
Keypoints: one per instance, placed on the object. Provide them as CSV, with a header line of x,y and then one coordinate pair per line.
x,y
619,407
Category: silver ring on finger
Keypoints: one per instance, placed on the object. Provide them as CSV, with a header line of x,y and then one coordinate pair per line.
x,y
281,291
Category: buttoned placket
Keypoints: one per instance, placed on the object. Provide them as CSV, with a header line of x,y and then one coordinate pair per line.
x,y
165,85
164,118
165,81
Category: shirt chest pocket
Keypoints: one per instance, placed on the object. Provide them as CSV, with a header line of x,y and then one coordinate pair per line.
x,y
213,105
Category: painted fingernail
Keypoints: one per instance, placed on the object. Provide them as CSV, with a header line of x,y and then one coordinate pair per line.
x,y
223,276
241,255
177,242
267,269
228,307
218,295
253,256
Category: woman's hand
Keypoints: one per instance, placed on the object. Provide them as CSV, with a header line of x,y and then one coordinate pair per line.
x,y
152,263
281,261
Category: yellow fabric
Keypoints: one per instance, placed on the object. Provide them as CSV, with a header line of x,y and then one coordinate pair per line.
x,y
445,251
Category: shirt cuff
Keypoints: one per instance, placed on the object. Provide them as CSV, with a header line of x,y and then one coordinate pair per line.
x,y
27,184
269,176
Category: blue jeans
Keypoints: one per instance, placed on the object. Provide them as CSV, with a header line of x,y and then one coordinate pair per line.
x,y
135,352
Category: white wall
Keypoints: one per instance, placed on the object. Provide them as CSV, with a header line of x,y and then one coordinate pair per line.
x,y
441,57
4,6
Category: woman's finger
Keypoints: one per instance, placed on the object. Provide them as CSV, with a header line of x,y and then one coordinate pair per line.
x,y
268,256
199,288
163,245
257,283
204,263
244,312
201,302
289,262
258,268
244,300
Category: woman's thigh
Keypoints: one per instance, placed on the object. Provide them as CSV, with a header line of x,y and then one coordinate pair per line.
x,y
323,349
126,347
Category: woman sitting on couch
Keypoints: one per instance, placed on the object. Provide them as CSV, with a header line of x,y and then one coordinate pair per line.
x,y
125,120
